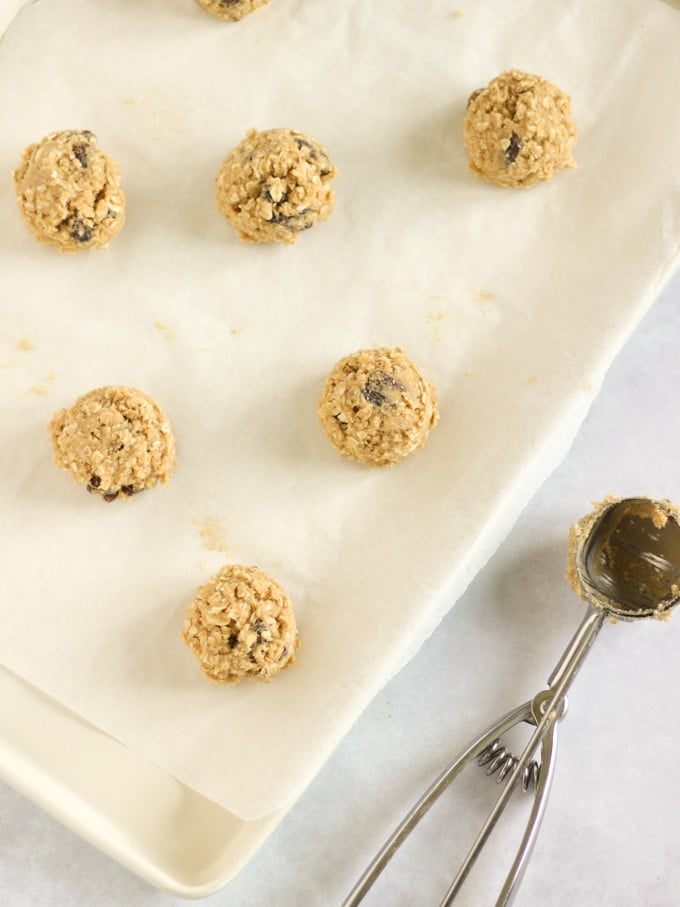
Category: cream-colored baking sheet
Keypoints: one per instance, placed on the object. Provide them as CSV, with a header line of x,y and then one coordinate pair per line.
x,y
512,302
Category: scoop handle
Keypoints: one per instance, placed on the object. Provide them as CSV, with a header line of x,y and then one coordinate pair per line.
x,y
543,711
439,785
579,646
547,708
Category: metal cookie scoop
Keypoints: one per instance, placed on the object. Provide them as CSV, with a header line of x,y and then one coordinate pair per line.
x,y
624,560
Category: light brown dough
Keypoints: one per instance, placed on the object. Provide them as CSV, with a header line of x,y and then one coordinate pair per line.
x,y
69,192
518,130
274,185
114,440
241,624
376,407
231,10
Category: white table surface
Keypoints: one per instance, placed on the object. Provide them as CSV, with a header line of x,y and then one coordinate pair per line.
x,y
611,834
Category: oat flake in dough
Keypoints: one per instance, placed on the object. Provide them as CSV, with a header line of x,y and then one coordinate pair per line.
x,y
241,625
274,185
376,407
231,10
518,130
69,192
114,440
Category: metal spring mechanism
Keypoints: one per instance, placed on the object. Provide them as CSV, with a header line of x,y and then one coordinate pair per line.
x,y
498,759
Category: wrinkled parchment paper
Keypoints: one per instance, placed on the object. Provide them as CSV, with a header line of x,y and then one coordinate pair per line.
x,y
513,303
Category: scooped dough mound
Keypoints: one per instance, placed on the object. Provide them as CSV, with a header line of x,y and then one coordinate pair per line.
x,y
274,185
231,10
518,130
376,407
69,193
115,441
615,557
241,624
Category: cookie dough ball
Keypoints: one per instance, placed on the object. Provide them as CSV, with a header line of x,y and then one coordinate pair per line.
x,y
69,193
274,185
241,624
231,10
518,130
115,441
376,407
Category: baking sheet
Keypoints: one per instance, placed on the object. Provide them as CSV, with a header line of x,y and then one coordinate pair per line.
x,y
512,303
118,801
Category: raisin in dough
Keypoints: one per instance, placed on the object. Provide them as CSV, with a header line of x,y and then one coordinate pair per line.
x,y
518,130
69,193
115,441
274,185
241,624
231,10
376,407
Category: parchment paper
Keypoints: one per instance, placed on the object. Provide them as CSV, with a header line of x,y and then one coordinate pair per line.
x,y
513,303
